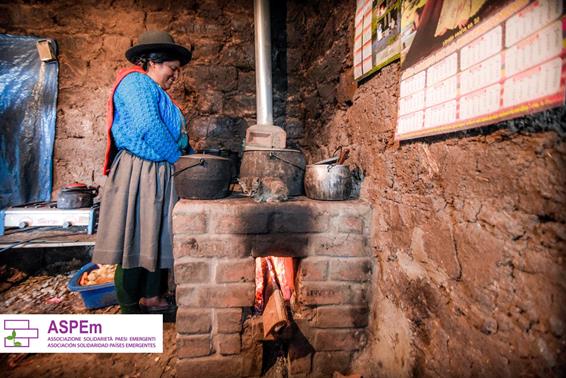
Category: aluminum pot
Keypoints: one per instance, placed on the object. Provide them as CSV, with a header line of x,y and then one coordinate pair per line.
x,y
285,164
330,182
76,196
203,176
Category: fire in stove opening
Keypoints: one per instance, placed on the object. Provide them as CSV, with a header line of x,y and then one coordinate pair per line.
x,y
275,289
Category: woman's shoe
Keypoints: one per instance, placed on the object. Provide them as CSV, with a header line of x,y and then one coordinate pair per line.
x,y
162,308
159,309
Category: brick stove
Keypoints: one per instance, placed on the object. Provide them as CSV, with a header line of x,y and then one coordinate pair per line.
x,y
215,243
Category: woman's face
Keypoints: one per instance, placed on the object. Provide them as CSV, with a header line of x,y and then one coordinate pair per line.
x,y
164,73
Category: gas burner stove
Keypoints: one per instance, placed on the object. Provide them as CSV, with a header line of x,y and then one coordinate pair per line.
x,y
46,214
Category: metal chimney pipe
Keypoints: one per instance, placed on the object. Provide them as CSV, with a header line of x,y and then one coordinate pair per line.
x,y
264,101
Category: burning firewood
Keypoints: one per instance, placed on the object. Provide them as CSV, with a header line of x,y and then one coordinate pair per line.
x,y
283,270
275,312
274,288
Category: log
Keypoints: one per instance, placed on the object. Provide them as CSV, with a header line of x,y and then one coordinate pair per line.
x,y
274,314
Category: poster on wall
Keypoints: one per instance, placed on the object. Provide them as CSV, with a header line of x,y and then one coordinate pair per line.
x,y
377,35
469,63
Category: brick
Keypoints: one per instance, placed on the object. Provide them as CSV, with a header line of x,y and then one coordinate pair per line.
x,y
188,208
223,295
346,245
188,270
326,293
244,222
227,344
252,333
299,365
339,339
193,346
252,347
313,269
190,321
300,220
341,316
228,320
211,246
304,331
350,269
214,366
338,208
240,270
348,224
190,225
292,245
326,363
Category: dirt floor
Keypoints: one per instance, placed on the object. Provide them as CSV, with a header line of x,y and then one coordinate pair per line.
x,y
46,293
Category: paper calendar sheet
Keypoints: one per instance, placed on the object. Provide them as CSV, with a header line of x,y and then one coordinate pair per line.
x,y
377,35
468,63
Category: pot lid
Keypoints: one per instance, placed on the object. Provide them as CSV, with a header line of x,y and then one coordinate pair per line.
x,y
75,185
79,187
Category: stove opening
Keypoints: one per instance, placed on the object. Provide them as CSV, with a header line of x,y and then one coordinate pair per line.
x,y
275,292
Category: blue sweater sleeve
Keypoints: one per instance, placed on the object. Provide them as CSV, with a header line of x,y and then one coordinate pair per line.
x,y
140,97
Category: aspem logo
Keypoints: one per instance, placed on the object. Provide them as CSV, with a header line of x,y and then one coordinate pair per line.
x,y
18,333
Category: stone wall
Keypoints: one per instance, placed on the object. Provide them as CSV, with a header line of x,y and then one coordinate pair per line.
x,y
469,233
216,91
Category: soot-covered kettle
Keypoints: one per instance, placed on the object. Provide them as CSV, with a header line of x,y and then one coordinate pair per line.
x,y
76,196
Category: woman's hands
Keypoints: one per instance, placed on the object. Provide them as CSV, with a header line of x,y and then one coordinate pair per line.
x,y
183,141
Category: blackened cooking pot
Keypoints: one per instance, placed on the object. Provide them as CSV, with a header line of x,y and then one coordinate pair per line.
x,y
285,164
203,176
76,196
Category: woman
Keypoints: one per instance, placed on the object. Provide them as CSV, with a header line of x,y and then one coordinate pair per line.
x,y
145,137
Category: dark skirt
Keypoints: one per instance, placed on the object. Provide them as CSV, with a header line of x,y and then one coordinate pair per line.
x,y
134,227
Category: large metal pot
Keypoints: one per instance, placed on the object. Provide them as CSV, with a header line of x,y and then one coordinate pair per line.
x,y
203,176
228,154
76,196
284,164
330,182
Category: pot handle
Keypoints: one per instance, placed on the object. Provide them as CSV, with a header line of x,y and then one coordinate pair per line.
x,y
201,161
273,156
337,150
94,190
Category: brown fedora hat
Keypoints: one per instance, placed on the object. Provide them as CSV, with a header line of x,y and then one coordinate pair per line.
x,y
158,41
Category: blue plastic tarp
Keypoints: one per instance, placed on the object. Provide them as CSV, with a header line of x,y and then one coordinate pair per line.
x,y
28,101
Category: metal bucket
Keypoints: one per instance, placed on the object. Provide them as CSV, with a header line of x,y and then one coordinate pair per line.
x,y
284,164
202,176
330,182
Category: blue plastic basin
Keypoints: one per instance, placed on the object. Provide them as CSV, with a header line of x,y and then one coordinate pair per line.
x,y
94,296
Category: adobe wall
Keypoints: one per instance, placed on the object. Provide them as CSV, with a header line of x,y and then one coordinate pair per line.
x,y
469,234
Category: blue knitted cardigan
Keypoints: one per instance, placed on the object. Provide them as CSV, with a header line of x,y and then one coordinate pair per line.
x,y
146,122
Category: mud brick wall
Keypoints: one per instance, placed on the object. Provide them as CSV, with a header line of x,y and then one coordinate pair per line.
x,y
215,243
468,228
